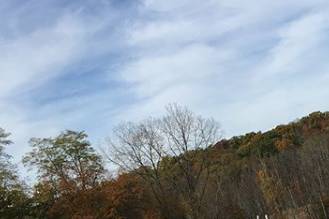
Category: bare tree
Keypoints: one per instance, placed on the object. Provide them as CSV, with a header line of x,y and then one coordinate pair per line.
x,y
180,136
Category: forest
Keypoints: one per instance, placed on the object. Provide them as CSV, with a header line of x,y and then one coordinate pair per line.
x,y
176,166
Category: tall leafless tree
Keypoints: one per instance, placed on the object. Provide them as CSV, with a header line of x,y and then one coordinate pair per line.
x,y
180,136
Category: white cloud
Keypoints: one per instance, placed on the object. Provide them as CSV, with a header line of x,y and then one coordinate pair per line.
x,y
40,55
251,70
166,5
32,60
195,63
301,44
251,64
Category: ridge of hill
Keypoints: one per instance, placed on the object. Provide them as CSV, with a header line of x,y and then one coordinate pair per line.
x,y
280,138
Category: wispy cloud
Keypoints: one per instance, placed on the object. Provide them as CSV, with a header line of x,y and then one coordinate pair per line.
x,y
88,65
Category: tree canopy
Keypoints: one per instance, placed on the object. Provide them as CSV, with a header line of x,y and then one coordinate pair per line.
x,y
174,166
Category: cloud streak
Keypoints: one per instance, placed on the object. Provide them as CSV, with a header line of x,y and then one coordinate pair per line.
x,y
88,65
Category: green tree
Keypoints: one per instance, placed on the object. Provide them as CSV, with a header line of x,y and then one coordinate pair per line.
x,y
68,167
13,199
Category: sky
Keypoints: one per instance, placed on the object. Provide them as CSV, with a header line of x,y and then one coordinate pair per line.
x,y
88,65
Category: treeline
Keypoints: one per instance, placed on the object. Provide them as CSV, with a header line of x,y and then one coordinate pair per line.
x,y
174,166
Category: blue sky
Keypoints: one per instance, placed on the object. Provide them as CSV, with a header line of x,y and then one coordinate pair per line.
x,y
88,65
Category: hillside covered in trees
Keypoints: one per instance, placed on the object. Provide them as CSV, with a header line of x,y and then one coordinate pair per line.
x,y
175,166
